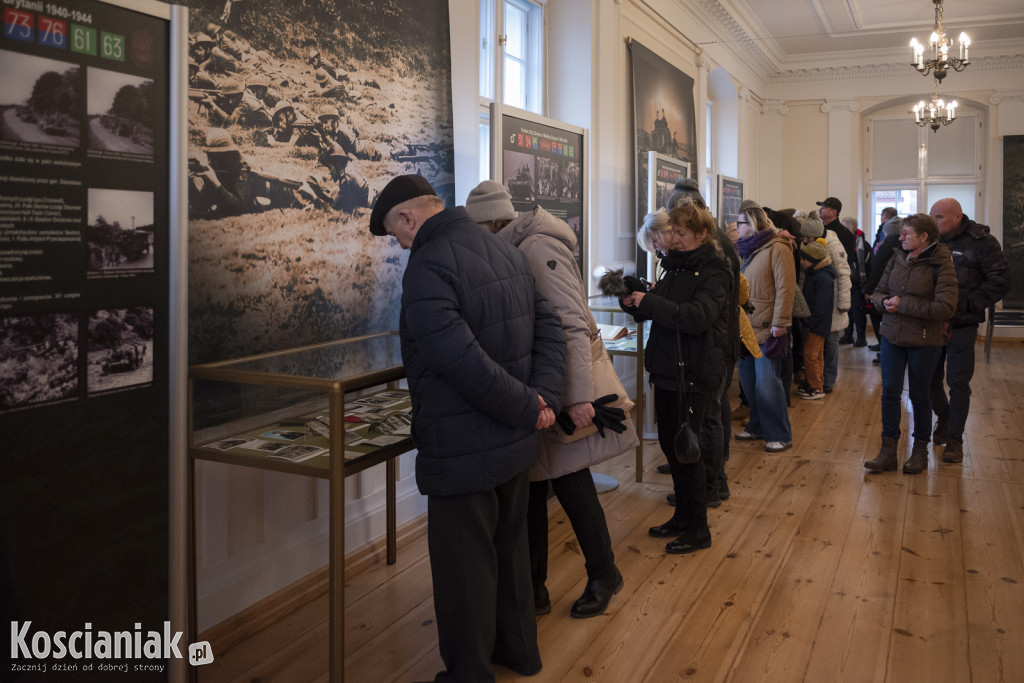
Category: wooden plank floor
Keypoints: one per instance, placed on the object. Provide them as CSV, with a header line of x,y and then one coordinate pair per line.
x,y
818,571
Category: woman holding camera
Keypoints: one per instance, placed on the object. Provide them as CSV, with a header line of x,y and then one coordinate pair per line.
x,y
689,310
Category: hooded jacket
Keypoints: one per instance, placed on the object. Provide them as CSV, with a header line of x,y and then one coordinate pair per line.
x,y
819,291
771,274
479,343
841,303
693,297
548,244
926,286
981,271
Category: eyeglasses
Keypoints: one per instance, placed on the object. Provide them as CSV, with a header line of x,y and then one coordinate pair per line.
x,y
907,233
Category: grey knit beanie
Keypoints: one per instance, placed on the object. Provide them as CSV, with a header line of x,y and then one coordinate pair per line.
x,y
749,204
685,187
812,227
490,201
893,226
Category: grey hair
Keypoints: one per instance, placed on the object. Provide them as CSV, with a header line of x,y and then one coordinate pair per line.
x,y
655,224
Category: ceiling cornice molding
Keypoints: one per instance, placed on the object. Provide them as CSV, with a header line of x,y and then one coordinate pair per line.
x,y
743,44
775,107
840,105
1006,96
874,71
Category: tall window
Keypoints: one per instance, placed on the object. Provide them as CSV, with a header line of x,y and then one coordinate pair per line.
x,y
511,62
911,168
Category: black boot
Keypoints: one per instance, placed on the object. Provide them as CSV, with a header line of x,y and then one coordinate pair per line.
x,y
596,597
886,459
918,461
670,528
690,541
541,600
954,451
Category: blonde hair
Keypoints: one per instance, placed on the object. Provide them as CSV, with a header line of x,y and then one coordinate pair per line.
x,y
758,218
654,226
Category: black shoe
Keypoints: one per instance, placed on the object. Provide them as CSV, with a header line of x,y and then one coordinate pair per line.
x,y
541,601
874,347
671,499
723,490
663,469
668,529
692,540
860,343
711,498
877,360
845,339
596,597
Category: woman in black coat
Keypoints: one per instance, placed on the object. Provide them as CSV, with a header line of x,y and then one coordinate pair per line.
x,y
691,300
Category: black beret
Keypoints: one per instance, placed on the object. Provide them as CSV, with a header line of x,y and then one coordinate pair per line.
x,y
400,189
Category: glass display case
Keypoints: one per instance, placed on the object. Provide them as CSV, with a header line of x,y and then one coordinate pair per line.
x,y
326,410
629,346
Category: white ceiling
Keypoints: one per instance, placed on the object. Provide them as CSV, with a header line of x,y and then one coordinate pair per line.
x,y
784,35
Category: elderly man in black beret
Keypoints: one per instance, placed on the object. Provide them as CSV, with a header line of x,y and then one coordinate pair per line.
x,y
485,358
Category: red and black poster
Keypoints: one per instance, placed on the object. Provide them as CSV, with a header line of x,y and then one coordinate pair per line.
x,y
541,163
83,318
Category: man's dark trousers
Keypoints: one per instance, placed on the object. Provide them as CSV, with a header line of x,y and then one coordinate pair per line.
x,y
480,563
956,366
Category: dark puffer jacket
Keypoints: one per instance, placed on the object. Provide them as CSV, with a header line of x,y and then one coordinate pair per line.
x,y
479,343
981,271
692,296
926,286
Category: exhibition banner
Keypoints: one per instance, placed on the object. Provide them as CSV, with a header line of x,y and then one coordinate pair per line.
x,y
1013,217
730,197
83,315
299,114
540,162
664,121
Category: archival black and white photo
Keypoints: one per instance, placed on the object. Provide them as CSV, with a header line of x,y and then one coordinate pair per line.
x,y
520,173
549,177
120,112
119,232
40,101
120,348
299,114
38,359
228,444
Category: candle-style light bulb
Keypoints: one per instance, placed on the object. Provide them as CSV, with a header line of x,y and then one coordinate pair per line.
x,y
965,44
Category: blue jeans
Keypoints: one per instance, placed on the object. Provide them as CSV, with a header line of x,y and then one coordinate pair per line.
x,y
763,389
831,360
956,366
917,362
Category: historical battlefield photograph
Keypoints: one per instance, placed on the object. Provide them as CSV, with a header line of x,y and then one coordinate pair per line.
x,y
520,174
38,359
120,112
120,348
119,234
40,100
299,114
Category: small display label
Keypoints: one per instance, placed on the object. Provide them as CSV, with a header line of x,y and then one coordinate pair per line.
x,y
19,25
111,46
53,33
83,40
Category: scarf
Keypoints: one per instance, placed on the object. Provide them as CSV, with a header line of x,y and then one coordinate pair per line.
x,y
748,245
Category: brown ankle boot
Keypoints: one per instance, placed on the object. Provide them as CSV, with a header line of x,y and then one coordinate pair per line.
x,y
918,461
886,460
954,451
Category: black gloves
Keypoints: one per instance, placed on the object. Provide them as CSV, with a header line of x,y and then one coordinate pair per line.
x,y
605,417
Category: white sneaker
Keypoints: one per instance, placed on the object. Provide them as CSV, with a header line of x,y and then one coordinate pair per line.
x,y
813,395
778,446
748,436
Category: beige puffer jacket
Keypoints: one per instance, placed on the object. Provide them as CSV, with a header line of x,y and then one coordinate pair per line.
x,y
771,273
549,244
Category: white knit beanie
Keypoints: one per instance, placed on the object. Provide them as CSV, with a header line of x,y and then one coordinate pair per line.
x,y
489,201
812,227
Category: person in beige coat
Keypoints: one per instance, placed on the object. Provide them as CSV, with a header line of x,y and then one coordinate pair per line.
x,y
771,272
548,244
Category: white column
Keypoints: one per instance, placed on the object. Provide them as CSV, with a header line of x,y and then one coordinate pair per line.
x,y
772,112
842,152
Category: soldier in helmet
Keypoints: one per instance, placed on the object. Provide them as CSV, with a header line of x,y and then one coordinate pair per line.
x,y
219,108
200,48
224,186
353,192
317,61
259,86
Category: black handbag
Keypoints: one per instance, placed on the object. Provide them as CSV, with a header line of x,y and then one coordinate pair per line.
x,y
687,449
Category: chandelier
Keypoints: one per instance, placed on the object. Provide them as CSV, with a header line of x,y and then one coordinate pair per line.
x,y
941,61
936,113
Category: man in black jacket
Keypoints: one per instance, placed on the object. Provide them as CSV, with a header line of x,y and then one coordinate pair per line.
x,y
829,212
984,279
485,358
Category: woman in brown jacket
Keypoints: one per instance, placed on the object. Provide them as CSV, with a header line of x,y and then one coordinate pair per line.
x,y
918,293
